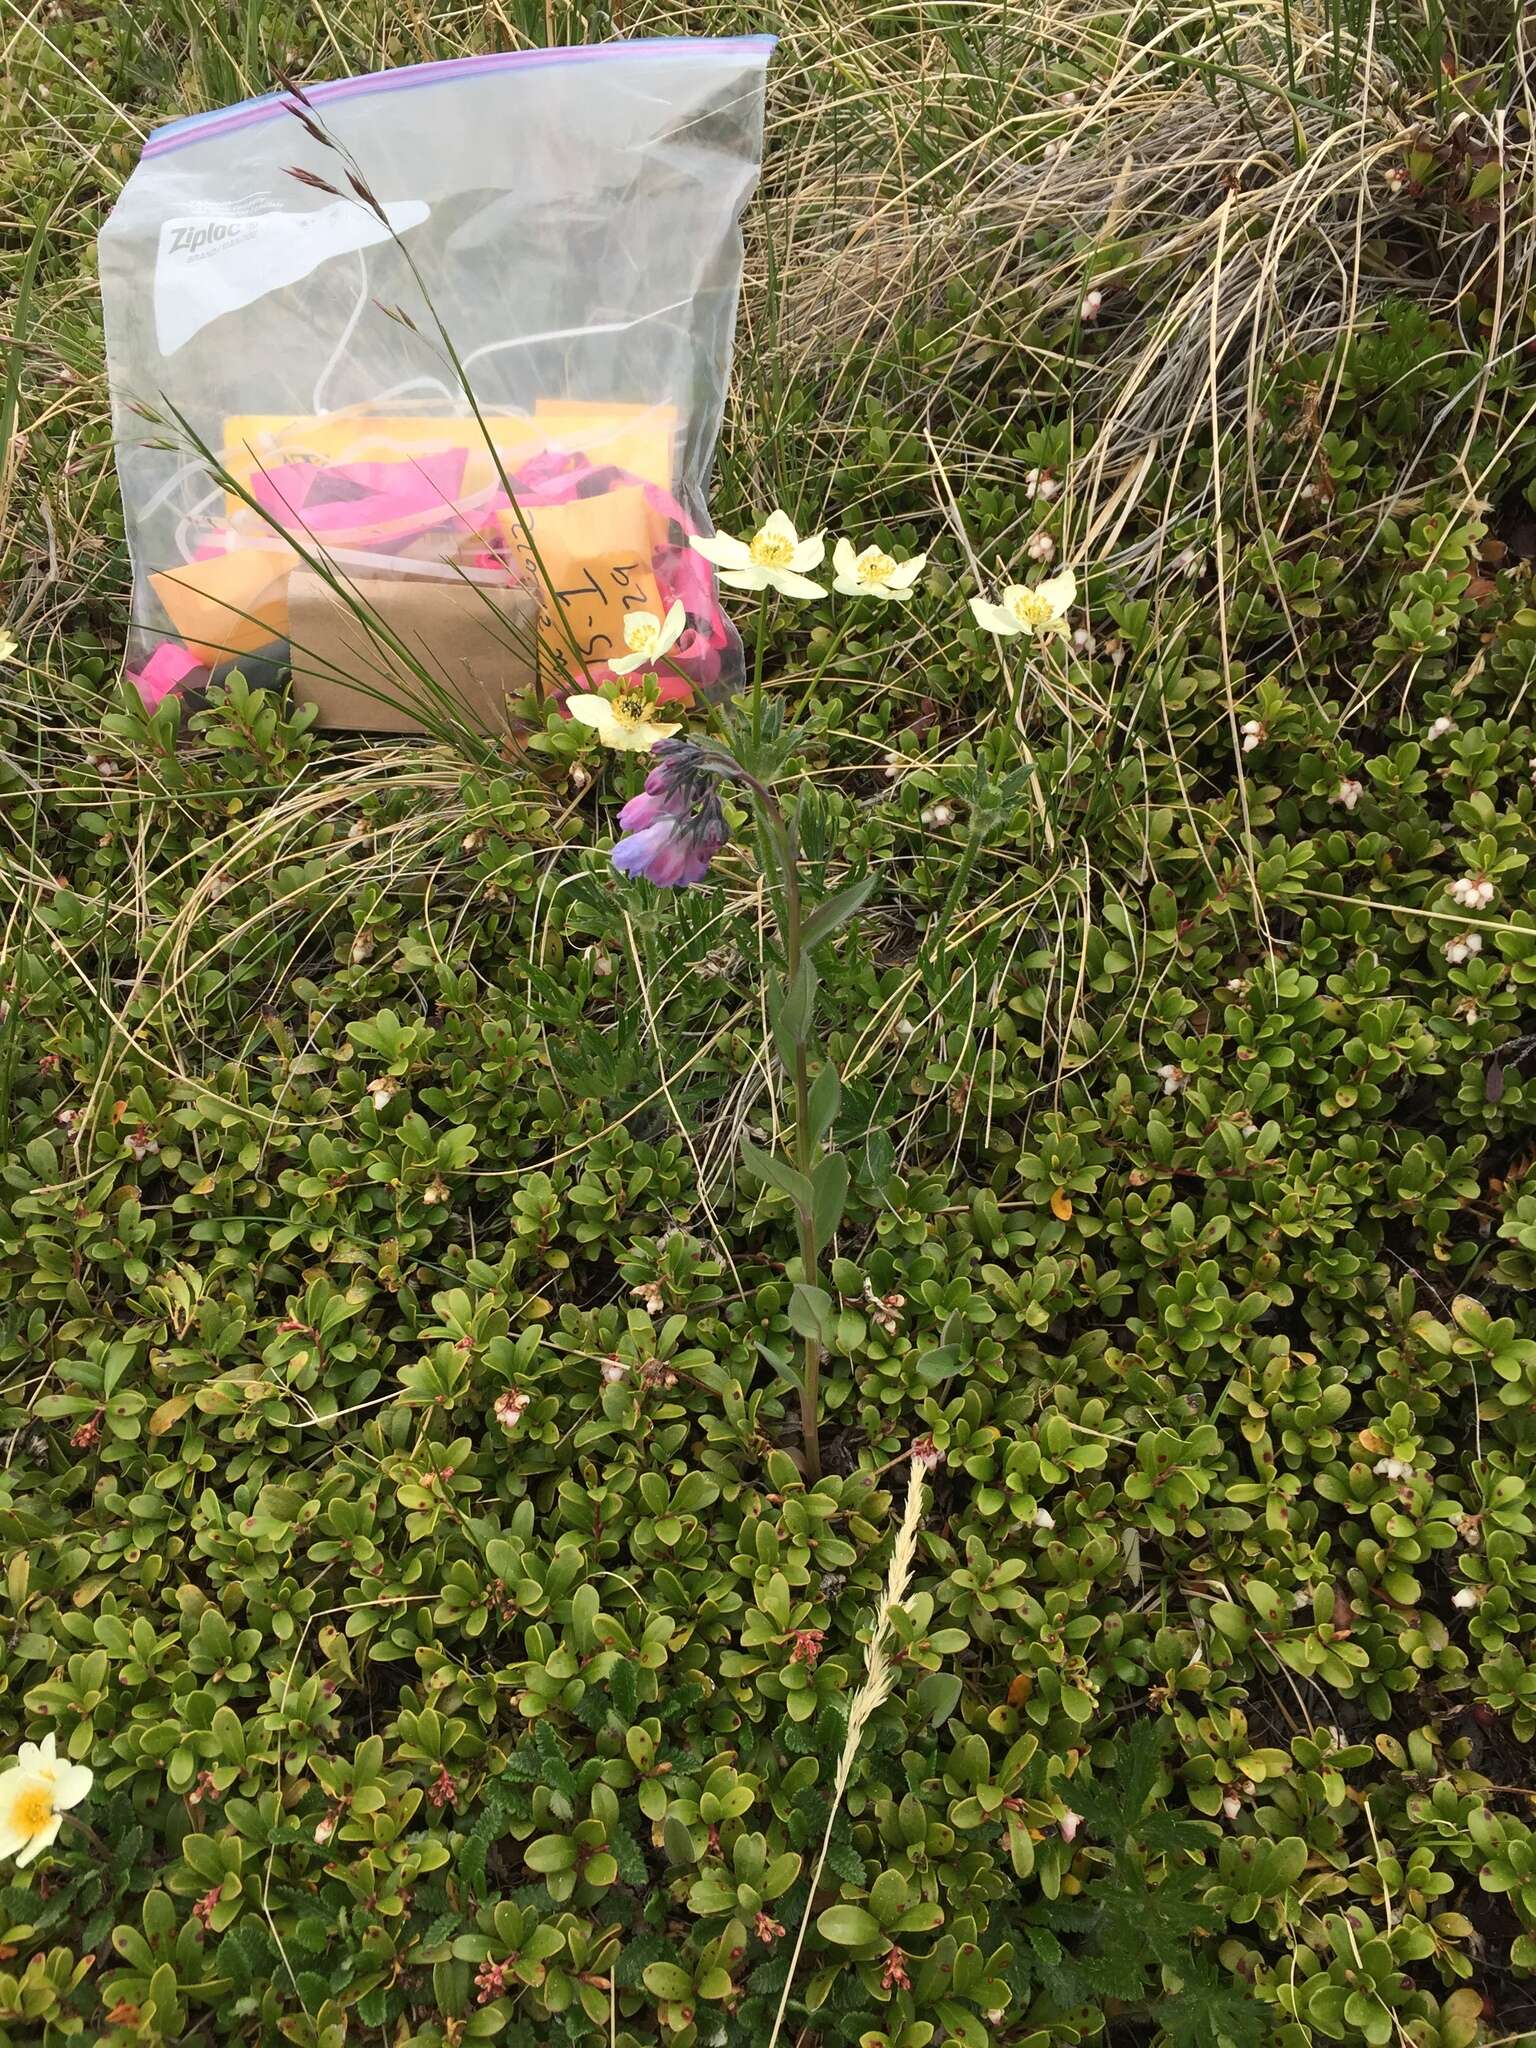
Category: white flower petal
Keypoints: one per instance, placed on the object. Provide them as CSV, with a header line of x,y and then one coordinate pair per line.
x,y
993,618
641,629
721,549
626,736
844,555
751,578
589,710
808,554
647,638
1059,591
74,1784
43,1839
12,1839
905,574
788,584
640,739
779,526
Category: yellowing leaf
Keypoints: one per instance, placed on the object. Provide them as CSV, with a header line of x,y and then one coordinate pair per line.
x,y
169,1411
1061,1205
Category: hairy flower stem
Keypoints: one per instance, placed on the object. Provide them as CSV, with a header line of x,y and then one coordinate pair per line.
x,y
805,1145
780,835
759,653
834,642
967,860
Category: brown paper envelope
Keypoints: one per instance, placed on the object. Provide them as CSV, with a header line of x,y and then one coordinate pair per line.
x,y
477,642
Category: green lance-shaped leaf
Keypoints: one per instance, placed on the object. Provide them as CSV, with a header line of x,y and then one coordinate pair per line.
x,y
829,1184
791,1010
778,1173
879,1156
826,1100
834,911
810,1313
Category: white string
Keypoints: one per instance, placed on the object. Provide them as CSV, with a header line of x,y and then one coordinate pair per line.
x,y
172,485
317,402
186,546
574,333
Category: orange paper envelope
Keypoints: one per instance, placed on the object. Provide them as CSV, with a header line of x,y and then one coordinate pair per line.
x,y
596,554
255,441
228,604
638,438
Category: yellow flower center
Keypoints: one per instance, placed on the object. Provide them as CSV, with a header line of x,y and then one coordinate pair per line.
x,y
629,708
641,632
875,567
771,550
1031,609
32,1809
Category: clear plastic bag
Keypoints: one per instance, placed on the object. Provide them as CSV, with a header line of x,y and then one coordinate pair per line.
x,y
567,219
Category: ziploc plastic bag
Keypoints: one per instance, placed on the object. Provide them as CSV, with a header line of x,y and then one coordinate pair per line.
x,y
570,218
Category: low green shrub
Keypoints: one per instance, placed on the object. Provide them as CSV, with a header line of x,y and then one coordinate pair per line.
x,y
399,1499
398,1496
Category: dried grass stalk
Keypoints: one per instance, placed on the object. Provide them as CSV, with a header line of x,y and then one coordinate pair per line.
x,y
879,1677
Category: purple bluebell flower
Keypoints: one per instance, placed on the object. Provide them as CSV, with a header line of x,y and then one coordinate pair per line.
x,y
641,811
672,852
675,827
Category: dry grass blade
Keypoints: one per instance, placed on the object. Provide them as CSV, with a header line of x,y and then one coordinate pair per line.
x,y
879,1677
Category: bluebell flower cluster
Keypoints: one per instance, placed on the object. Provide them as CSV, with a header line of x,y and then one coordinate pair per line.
x,y
675,827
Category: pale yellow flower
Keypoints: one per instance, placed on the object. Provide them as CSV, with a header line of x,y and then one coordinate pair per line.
x,y
775,558
873,573
34,1797
623,721
8,646
1039,611
649,638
